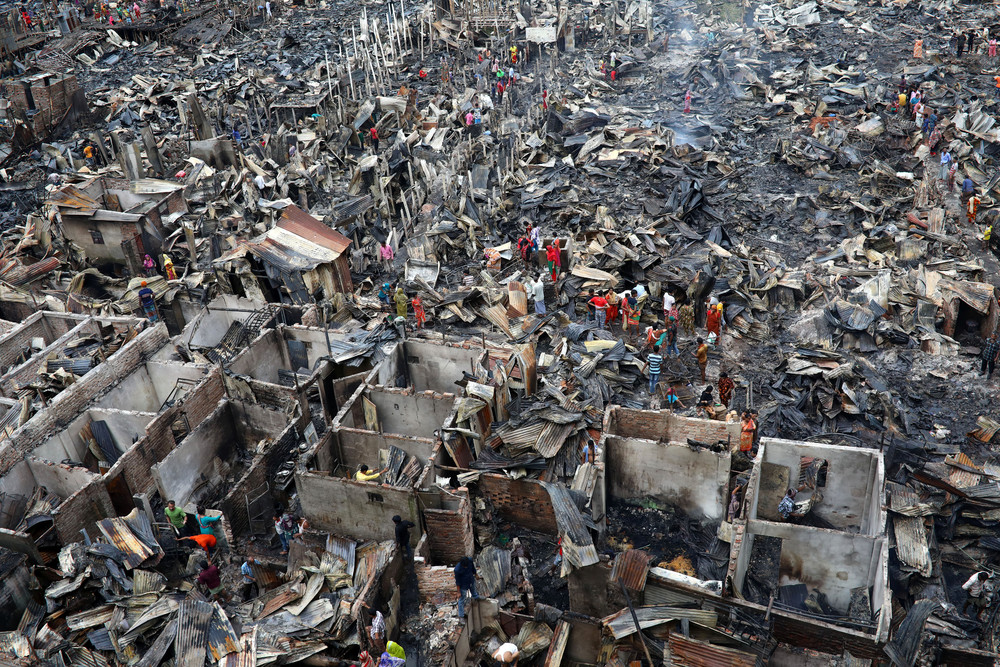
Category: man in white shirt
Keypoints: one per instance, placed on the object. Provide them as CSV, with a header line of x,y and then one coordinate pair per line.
x,y
537,289
976,588
668,304
506,654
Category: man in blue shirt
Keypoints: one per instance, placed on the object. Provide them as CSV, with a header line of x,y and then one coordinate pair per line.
x,y
968,187
465,580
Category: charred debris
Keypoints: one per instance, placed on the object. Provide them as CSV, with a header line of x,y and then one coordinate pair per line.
x,y
205,212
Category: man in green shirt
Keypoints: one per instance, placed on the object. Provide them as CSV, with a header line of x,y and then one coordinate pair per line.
x,y
176,516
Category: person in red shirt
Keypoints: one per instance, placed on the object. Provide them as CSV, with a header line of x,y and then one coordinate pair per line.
x,y
422,74
552,256
600,309
374,137
210,578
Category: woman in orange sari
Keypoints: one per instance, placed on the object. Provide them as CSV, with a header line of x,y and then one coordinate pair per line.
x,y
748,428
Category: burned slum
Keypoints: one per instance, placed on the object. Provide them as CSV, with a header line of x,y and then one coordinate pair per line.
x,y
637,332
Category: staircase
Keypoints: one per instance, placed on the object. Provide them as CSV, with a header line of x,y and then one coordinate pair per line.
x,y
240,334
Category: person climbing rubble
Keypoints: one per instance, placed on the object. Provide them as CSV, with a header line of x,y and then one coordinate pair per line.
x,y
465,581
979,589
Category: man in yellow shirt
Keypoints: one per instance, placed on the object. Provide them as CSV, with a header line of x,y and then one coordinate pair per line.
x,y
362,475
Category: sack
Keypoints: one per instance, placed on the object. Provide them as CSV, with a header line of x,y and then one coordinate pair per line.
x,y
287,524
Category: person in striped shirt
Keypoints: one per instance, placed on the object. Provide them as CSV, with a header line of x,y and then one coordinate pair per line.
x,y
653,362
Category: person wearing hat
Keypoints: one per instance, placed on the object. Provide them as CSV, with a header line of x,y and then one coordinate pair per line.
x,y
148,302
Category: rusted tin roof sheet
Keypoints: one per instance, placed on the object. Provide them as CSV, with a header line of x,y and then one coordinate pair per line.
x,y
222,639
631,567
194,618
693,653
300,223
493,566
117,531
70,196
280,597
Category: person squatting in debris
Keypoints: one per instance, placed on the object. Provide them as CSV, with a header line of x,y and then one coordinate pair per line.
x,y
385,294
465,581
786,507
989,355
980,592
706,403
507,654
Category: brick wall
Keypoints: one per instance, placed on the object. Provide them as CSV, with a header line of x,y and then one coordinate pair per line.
x,y
263,469
81,511
662,425
435,583
521,501
449,532
15,342
136,462
68,405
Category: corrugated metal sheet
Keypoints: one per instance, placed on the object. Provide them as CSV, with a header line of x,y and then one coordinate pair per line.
x,y
300,223
577,544
166,605
911,543
655,594
558,646
961,477
281,597
101,640
83,657
117,532
371,559
686,652
493,566
90,618
518,299
14,645
631,567
26,274
154,655
352,207
70,196
148,581
343,549
246,656
531,639
194,618
222,639
552,437
621,624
